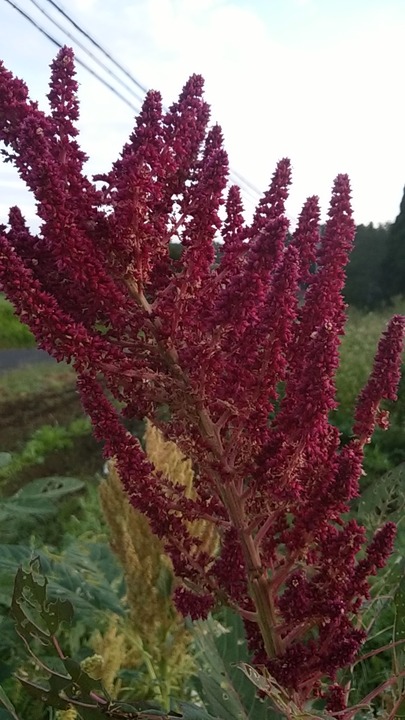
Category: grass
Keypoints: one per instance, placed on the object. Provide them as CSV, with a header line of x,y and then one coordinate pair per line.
x,y
35,380
13,334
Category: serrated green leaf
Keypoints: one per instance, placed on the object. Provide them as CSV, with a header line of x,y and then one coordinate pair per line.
x,y
383,499
42,693
232,647
217,690
80,678
35,616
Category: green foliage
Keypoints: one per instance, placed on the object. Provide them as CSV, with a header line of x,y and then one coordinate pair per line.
x,y
80,567
60,681
35,379
382,500
13,334
358,348
393,268
84,574
10,711
220,649
43,441
36,501
399,637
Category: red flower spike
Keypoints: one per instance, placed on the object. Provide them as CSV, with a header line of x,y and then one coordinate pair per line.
x,y
242,354
383,381
306,237
233,234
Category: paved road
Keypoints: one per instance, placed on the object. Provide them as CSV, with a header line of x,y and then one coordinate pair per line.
x,y
12,359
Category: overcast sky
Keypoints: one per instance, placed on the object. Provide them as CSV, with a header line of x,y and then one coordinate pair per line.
x,y
319,81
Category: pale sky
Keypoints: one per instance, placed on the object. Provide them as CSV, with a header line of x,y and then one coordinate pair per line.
x,y
318,81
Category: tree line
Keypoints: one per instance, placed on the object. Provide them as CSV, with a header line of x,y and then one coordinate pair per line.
x,y
376,270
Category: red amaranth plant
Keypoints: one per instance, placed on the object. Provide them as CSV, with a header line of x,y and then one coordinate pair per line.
x,y
243,353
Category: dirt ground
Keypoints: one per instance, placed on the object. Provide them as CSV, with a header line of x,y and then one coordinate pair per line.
x,y
21,416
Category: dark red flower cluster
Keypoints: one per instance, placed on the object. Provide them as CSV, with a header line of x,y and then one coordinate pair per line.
x,y
242,353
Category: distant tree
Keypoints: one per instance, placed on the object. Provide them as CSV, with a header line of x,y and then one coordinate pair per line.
x,y
393,268
364,273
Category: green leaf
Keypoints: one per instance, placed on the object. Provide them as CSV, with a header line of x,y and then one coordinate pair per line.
x,y
4,700
220,645
41,692
35,616
87,574
39,497
193,712
5,459
383,499
52,488
399,635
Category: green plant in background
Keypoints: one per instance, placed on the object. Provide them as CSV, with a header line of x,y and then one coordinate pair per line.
x,y
80,569
60,681
157,643
38,379
45,440
13,334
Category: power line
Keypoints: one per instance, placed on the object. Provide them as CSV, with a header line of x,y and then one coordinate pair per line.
x,y
250,191
240,179
88,52
98,46
78,60
248,184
